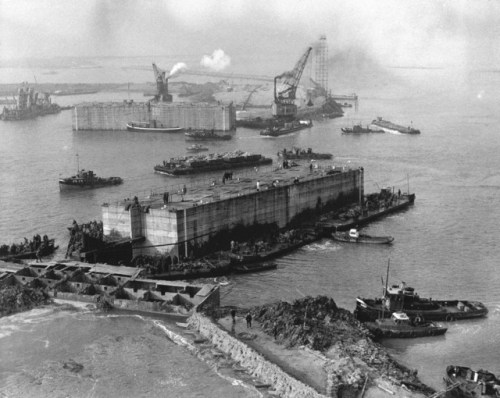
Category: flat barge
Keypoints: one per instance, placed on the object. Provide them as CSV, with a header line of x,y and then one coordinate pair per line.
x,y
202,164
393,127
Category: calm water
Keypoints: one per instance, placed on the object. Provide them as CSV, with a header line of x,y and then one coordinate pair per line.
x,y
445,246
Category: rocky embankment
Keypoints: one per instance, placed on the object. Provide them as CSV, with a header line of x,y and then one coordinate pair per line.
x,y
354,360
15,298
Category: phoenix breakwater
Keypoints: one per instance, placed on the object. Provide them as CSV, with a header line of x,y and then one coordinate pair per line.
x,y
444,244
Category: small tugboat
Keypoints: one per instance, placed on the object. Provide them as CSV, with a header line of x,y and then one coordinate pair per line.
x,y
287,128
196,164
404,298
399,325
393,128
297,153
196,148
353,236
468,383
87,179
359,129
205,135
151,127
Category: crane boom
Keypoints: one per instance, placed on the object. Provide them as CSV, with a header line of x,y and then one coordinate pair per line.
x,y
161,85
284,98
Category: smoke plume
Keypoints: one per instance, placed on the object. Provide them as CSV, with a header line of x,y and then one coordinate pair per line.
x,y
217,61
177,68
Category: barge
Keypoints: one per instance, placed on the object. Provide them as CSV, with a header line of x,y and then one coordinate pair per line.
x,y
202,164
205,135
393,128
298,153
287,128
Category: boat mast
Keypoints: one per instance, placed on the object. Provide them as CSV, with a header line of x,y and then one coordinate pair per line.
x,y
77,164
385,290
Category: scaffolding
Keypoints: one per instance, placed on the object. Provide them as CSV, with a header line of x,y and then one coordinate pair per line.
x,y
321,63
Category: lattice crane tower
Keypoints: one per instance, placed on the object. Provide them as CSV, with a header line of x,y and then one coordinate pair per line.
x,y
321,63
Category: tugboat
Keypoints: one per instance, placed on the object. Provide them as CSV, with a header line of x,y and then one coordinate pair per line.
x,y
297,153
467,383
393,128
196,148
205,135
404,298
399,325
287,128
359,129
202,164
29,104
353,236
86,179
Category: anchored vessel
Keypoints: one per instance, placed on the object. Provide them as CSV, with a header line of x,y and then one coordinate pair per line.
x,y
358,129
202,164
399,325
30,104
196,148
87,179
470,384
298,153
205,135
404,298
153,127
287,128
394,128
353,236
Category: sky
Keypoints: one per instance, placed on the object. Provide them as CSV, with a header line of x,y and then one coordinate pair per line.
x,y
406,33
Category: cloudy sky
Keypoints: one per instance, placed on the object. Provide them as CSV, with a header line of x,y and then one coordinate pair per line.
x,y
394,32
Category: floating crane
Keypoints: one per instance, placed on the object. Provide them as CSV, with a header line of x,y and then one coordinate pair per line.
x,y
284,99
162,94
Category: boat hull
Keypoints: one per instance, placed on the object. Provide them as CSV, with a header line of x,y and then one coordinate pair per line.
x,y
65,185
179,171
153,129
344,225
470,384
404,331
393,128
366,239
369,310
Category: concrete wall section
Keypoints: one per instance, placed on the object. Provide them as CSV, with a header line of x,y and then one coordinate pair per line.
x,y
165,228
108,115
277,205
116,115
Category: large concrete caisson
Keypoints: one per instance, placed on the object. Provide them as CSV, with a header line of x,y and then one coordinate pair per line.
x,y
171,228
116,115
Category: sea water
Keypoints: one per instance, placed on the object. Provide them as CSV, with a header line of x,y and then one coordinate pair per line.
x,y
445,245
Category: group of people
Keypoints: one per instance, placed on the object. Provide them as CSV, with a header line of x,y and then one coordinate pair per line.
x,y
93,229
36,245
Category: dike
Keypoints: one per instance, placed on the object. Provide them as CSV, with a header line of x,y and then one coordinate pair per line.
x,y
283,384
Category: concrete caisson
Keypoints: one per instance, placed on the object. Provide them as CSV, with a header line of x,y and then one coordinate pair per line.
x,y
170,229
116,115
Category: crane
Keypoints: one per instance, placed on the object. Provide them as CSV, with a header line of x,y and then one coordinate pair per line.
x,y
162,94
284,99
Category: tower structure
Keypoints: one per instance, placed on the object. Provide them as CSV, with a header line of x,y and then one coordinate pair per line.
x,y
321,63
